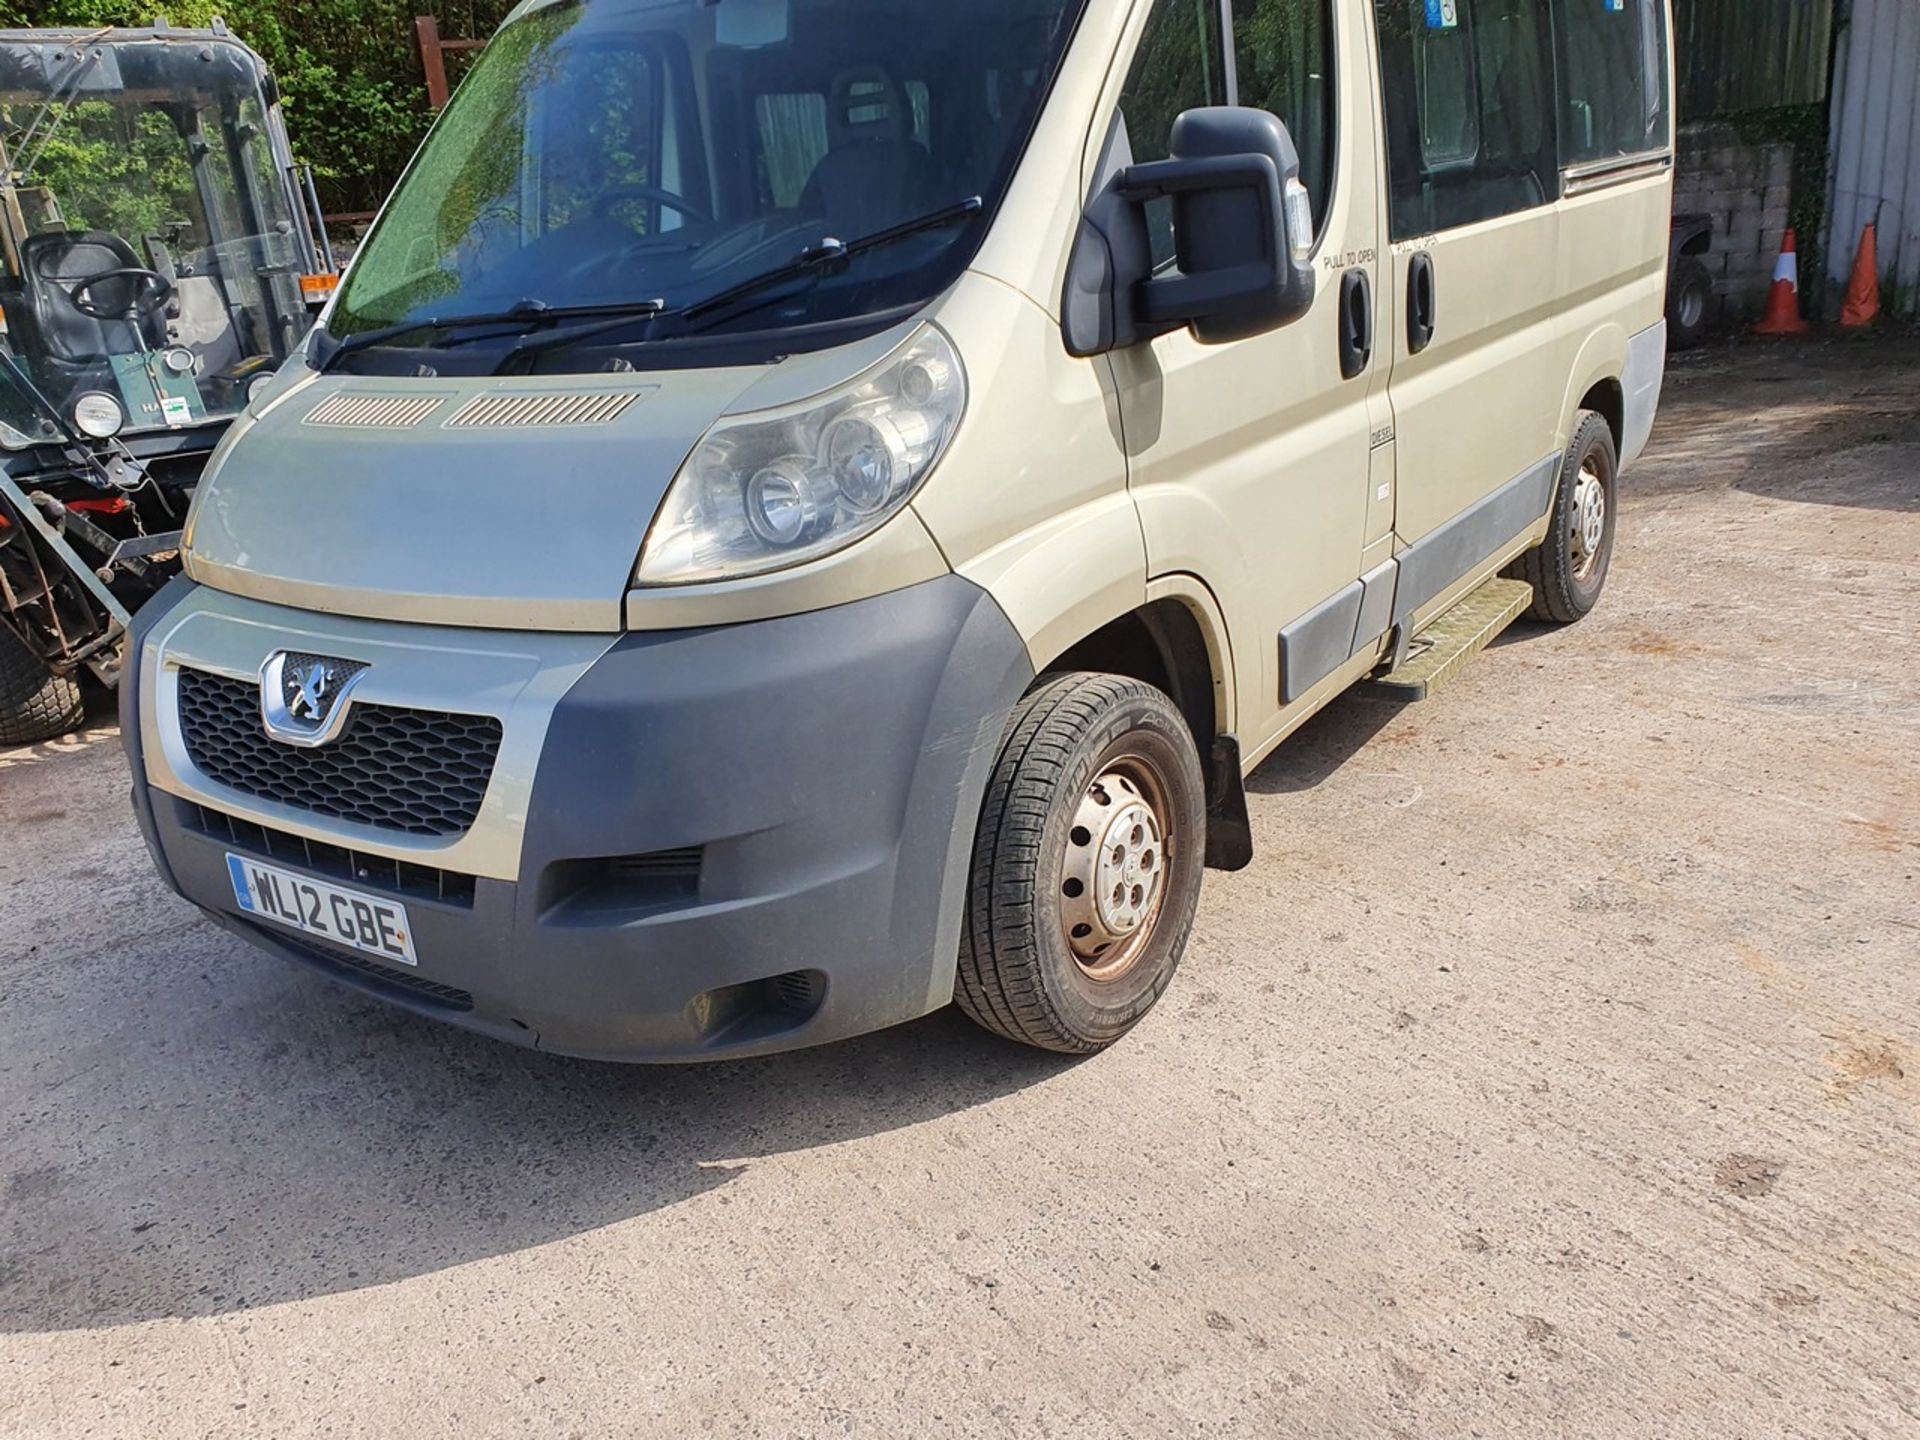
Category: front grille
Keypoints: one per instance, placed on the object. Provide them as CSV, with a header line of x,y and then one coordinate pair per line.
x,y
417,772
802,991
352,867
595,892
442,997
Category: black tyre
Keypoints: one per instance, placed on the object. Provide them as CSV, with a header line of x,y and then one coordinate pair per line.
x,y
35,704
1088,865
1569,569
1689,304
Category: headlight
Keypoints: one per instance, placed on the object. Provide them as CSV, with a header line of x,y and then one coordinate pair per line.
x,y
769,491
99,416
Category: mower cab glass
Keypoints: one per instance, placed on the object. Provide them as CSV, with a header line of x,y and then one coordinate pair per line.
x,y
637,162
149,262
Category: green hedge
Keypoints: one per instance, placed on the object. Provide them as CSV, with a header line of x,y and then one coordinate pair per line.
x,y
356,99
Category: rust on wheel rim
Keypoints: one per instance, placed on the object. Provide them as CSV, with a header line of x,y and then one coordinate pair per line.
x,y
1116,870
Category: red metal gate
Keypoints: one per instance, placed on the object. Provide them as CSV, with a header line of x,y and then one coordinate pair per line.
x,y
433,57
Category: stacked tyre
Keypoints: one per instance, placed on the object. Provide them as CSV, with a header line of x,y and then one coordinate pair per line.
x,y
35,703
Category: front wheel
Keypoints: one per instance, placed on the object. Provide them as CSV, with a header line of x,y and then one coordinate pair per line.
x,y
1569,568
35,703
1087,866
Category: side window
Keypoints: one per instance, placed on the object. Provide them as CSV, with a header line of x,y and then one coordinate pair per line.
x,y
1613,78
793,140
796,132
1283,57
608,117
921,99
85,162
1179,67
1449,98
1471,131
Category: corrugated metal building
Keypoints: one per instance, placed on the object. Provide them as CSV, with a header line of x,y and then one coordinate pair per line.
x,y
1744,55
1875,167
1752,89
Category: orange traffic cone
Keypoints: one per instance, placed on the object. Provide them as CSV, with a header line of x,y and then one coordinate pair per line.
x,y
1863,291
1783,305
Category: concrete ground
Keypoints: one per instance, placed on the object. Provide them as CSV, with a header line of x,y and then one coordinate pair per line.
x,y
1553,1072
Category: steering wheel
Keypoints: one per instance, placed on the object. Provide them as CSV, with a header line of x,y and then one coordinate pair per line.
x,y
150,292
621,194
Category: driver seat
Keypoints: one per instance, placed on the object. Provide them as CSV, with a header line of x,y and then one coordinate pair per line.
x,y
58,330
875,174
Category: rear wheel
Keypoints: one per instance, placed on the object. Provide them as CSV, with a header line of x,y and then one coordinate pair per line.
x,y
1087,867
1689,304
1569,569
35,704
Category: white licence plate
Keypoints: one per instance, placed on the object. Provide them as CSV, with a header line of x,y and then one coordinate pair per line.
x,y
346,917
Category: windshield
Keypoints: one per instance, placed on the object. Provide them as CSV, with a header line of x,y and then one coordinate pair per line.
x,y
149,252
609,153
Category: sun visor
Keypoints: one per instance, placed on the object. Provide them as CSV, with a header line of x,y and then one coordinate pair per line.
x,y
753,24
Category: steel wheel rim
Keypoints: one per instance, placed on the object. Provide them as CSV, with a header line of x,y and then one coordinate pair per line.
x,y
1693,305
1589,521
1117,869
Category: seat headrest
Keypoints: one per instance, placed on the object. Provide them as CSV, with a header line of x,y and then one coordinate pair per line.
x,y
868,104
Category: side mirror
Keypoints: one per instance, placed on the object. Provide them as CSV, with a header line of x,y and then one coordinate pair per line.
x,y
1243,229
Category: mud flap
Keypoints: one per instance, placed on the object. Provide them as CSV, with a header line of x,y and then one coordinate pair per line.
x,y
1229,828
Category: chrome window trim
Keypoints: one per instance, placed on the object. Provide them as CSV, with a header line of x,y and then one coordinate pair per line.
x,y
1620,170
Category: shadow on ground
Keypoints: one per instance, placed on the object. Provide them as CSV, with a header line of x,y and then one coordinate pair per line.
x,y
1879,472
1326,743
194,1130
1315,754
1830,423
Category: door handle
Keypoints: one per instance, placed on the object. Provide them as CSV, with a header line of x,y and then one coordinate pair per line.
x,y
1356,323
1421,318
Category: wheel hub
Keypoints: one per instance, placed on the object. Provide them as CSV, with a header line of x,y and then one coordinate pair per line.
x,y
1589,520
1115,875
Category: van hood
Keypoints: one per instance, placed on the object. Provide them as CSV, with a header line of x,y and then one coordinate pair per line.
x,y
515,503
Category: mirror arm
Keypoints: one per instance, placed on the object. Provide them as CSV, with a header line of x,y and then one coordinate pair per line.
x,y
1239,271
1112,256
1158,178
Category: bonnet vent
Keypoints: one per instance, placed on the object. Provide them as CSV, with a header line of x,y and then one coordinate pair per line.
x,y
513,412
349,411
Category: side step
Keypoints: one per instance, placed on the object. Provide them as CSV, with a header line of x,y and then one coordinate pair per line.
x,y
1442,650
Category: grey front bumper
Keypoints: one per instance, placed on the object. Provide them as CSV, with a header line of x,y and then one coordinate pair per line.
x,y
736,840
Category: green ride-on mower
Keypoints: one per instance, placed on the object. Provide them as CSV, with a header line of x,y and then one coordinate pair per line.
x,y
158,263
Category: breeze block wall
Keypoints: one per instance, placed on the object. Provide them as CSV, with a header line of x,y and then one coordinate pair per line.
x,y
1748,190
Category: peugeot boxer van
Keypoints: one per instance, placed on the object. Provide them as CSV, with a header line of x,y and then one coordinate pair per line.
x,y
805,511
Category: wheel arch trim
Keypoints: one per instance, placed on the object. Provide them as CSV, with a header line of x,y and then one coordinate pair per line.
x,y
1602,361
1193,593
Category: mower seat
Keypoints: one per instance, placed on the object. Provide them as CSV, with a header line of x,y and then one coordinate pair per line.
x,y
57,331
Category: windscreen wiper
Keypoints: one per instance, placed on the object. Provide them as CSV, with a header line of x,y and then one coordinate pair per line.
x,y
814,261
828,253
527,314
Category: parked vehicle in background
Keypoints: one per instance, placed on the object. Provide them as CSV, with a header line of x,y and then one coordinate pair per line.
x,y
157,264
1690,294
804,512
